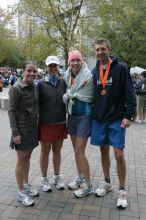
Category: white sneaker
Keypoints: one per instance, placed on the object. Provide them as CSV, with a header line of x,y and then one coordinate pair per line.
x,y
104,189
83,191
25,199
75,183
122,199
46,187
139,121
30,190
58,182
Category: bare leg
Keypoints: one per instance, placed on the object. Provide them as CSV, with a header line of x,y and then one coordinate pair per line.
x,y
121,166
73,139
140,117
22,160
140,105
144,115
105,160
44,157
56,148
26,168
81,160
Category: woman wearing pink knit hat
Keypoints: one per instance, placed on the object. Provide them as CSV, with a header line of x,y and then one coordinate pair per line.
x,y
79,99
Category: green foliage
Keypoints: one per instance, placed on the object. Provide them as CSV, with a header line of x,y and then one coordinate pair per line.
x,y
37,47
13,56
10,51
63,26
123,23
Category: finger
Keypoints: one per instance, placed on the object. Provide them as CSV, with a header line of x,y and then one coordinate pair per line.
x,y
18,142
122,124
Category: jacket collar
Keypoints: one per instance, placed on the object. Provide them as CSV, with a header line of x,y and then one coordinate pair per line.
x,y
23,84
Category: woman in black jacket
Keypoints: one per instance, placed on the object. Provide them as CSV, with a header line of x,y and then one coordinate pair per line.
x,y
52,122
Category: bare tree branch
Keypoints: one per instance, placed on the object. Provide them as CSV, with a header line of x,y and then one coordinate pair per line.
x,y
56,19
77,17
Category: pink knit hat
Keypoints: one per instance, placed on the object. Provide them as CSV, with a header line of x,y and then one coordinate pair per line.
x,y
74,54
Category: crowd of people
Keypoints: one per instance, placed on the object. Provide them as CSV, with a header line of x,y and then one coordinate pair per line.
x,y
99,104
8,78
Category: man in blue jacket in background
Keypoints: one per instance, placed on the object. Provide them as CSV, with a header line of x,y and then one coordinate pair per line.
x,y
114,109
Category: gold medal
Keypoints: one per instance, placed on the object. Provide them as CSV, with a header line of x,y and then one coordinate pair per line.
x,y
103,92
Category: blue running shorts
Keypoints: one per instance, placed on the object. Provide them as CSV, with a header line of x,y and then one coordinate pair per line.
x,y
108,133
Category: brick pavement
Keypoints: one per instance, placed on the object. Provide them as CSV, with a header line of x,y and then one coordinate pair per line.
x,y
62,205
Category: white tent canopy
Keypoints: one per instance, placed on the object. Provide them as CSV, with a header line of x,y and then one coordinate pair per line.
x,y
137,70
40,70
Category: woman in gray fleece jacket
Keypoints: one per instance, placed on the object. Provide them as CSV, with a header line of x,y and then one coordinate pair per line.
x,y
22,111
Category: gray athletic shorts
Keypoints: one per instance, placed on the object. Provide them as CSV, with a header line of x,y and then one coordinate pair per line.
x,y
79,126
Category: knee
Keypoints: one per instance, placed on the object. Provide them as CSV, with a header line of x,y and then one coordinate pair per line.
x,y
44,154
23,159
119,155
56,150
104,151
45,150
56,153
78,152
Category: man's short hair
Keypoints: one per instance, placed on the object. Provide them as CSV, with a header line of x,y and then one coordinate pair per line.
x,y
103,40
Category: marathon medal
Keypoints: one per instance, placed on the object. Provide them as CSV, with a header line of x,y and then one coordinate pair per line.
x,y
103,77
103,92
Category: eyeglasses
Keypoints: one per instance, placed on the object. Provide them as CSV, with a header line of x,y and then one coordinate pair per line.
x,y
52,65
30,70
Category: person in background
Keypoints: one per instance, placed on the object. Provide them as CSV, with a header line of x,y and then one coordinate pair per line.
x,y
13,79
140,89
1,86
22,111
114,109
79,98
52,122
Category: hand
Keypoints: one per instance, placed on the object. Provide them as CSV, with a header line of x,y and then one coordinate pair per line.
x,y
125,123
62,78
65,98
17,139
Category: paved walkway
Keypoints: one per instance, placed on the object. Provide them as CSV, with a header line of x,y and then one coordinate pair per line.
x,y
62,205
4,92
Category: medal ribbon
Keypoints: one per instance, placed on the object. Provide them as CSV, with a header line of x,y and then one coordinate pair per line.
x,y
104,77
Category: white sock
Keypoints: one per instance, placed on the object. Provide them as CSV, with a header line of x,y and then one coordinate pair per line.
x,y
44,177
87,182
56,176
20,192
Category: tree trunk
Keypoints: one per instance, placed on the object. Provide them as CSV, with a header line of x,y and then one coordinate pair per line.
x,y
66,57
